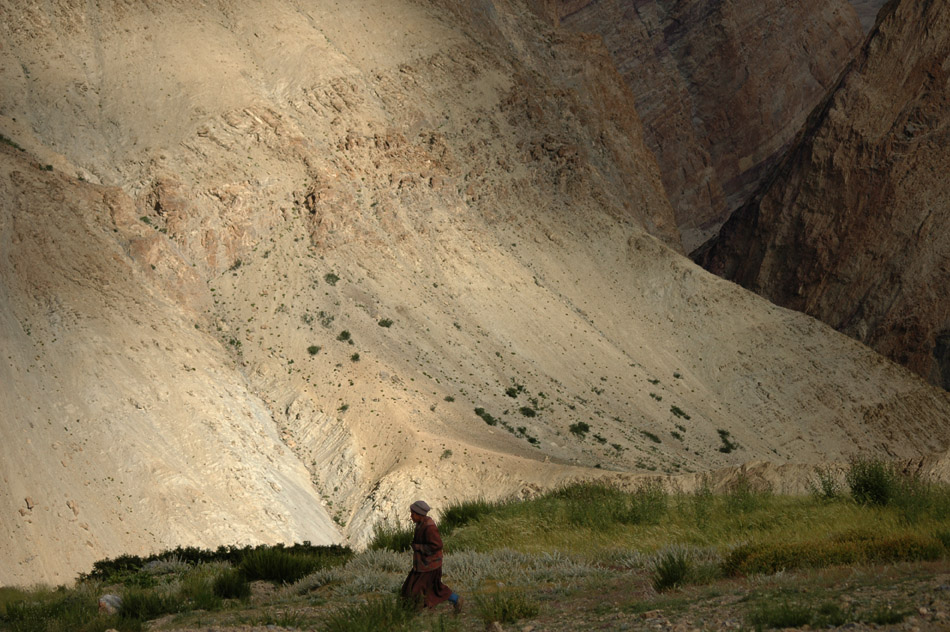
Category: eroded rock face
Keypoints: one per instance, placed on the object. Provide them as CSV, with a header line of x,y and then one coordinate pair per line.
x,y
854,227
337,231
867,11
721,87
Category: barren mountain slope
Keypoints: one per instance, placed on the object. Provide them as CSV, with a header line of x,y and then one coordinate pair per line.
x,y
867,11
331,237
854,228
722,87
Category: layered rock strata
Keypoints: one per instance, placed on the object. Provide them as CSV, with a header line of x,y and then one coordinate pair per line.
x,y
722,87
854,228
867,12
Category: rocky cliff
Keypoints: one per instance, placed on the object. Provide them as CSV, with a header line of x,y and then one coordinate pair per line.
x,y
867,12
722,87
271,273
853,228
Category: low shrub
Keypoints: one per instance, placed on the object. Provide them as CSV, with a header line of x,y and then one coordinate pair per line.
x,y
886,614
277,565
872,481
121,569
593,504
581,428
917,499
853,548
232,584
197,592
650,503
676,410
505,607
701,502
394,538
388,613
486,416
672,569
461,513
728,445
145,604
743,497
315,580
825,486
600,505
49,611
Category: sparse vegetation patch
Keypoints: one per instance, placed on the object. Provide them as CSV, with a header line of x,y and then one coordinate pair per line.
x,y
728,445
486,416
581,428
677,411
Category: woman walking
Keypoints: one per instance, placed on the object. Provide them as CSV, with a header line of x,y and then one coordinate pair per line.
x,y
424,583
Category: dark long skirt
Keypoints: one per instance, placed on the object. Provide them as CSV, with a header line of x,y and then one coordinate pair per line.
x,y
426,587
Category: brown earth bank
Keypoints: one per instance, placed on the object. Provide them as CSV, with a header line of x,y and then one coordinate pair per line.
x,y
853,227
722,87
270,274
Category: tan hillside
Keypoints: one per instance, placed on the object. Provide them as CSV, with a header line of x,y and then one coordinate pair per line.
x,y
242,199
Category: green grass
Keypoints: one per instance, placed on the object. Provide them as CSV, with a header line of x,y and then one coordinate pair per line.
x,y
387,613
512,560
589,518
460,513
509,606
232,584
672,569
392,538
280,565
873,482
47,610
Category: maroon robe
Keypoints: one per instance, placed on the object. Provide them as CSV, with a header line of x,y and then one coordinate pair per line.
x,y
425,579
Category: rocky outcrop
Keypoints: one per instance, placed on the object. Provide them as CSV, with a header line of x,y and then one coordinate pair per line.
x,y
867,12
854,228
722,87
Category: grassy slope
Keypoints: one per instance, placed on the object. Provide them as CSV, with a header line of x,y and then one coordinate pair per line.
x,y
582,557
